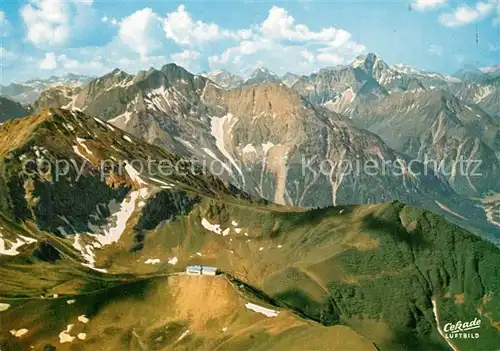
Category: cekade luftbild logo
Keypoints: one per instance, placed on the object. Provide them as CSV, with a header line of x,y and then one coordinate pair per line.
x,y
463,330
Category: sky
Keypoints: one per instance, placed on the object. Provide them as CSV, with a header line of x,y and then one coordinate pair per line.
x,y
41,38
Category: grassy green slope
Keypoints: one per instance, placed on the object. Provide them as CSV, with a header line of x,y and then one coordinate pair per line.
x,y
178,313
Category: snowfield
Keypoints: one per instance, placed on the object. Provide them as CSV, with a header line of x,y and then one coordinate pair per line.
x,y
10,248
259,309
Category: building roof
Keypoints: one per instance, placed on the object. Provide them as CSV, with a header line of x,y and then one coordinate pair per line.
x,y
198,267
209,269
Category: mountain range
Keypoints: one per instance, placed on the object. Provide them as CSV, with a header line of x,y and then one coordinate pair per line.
x,y
28,92
265,134
112,250
312,195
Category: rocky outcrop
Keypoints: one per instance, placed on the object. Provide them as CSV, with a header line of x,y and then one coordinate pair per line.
x,y
461,139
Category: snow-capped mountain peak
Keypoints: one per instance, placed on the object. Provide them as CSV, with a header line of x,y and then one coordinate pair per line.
x,y
223,78
402,68
261,75
290,79
261,70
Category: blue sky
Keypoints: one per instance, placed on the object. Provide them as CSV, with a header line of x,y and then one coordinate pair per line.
x,y
40,38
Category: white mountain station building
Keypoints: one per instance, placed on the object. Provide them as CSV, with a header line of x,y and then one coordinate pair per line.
x,y
201,270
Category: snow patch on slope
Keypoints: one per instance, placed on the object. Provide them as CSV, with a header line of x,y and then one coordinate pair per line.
x,y
111,232
449,210
221,127
64,336
259,309
215,228
18,333
133,174
126,116
120,216
10,248
152,261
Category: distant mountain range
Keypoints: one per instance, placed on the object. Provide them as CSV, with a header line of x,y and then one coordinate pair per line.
x,y
224,79
262,127
28,92
228,80
263,131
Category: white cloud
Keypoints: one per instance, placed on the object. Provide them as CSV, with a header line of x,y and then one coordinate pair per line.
x,y
49,62
6,56
307,55
330,59
494,47
182,29
278,36
52,22
466,14
187,59
496,21
426,5
5,25
66,64
281,26
142,32
436,50
111,20
96,61
75,66
47,22
235,54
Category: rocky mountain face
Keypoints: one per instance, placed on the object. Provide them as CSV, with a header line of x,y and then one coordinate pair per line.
x,y
28,92
470,73
426,80
264,140
85,142
284,129
399,78
485,93
460,138
162,106
60,96
223,78
71,174
10,109
403,103
340,89
89,246
290,79
366,80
